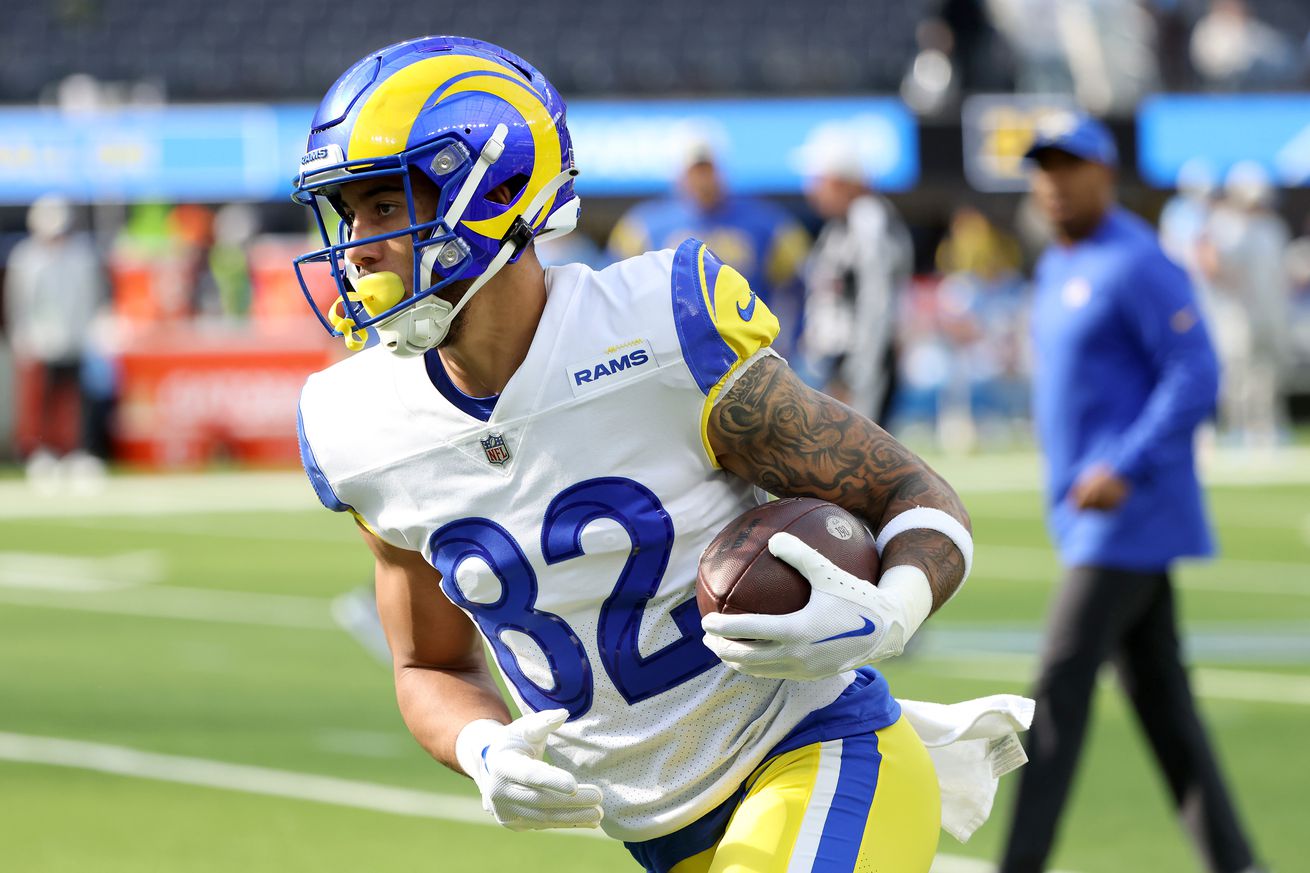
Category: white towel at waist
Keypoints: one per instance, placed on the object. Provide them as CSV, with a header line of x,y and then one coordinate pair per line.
x,y
972,744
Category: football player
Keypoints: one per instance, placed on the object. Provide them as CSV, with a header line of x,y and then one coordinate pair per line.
x,y
536,459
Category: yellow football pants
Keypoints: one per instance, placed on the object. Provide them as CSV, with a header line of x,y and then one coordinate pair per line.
x,y
864,804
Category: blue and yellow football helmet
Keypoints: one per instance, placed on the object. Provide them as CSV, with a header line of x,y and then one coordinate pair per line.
x,y
468,115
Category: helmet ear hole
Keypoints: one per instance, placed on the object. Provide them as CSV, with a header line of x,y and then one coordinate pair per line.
x,y
506,191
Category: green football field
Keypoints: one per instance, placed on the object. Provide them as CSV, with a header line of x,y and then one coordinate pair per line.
x,y
175,696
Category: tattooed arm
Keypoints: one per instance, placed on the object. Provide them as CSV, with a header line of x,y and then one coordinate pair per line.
x,y
792,441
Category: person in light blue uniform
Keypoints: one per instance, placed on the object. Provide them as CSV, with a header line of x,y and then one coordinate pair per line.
x,y
760,239
1124,372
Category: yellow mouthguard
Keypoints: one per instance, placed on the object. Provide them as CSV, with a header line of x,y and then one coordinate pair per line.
x,y
354,339
378,292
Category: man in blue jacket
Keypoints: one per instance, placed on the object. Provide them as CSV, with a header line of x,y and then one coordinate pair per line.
x,y
1124,373
759,238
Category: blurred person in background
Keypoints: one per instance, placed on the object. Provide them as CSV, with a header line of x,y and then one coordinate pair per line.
x,y
146,231
931,84
1185,227
959,53
758,238
1102,51
191,232
980,56
1298,273
855,278
1173,27
1185,220
1232,50
1244,260
235,225
982,311
1032,30
1124,374
54,284
1111,46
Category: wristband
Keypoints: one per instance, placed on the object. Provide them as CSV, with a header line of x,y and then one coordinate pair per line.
x,y
931,519
472,741
909,585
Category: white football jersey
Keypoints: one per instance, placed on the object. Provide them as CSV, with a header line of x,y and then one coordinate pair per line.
x,y
569,523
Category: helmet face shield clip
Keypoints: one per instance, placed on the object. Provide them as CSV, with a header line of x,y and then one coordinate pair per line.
x,y
449,158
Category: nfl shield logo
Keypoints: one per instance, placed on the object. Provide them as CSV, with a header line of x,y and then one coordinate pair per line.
x,y
497,451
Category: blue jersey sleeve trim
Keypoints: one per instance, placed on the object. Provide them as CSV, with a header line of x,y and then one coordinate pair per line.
x,y
706,353
322,487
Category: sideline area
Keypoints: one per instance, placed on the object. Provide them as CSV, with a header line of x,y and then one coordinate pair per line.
x,y
229,491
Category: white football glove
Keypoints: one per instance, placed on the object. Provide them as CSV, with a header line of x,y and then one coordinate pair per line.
x,y
848,622
518,788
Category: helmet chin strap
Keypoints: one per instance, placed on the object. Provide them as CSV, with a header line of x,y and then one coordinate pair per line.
x,y
425,324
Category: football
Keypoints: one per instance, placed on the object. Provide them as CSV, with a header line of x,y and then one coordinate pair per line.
x,y
737,574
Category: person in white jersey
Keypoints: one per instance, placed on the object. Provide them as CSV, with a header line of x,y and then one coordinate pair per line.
x,y
537,457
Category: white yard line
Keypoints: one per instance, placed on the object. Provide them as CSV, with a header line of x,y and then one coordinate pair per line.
x,y
1218,684
1225,518
960,864
123,761
1240,645
289,491
68,573
287,611
1010,472
1241,576
265,781
1252,685
194,604
137,495
190,526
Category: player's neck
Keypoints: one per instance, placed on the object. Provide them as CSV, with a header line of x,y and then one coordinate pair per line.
x,y
502,320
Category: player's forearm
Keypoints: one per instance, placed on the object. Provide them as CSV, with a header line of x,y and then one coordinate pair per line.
x,y
906,482
792,441
437,703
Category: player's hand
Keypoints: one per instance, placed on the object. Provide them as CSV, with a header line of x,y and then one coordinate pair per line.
x,y
848,622
1099,488
518,788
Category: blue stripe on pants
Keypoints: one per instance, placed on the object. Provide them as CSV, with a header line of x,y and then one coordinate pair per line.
x,y
843,831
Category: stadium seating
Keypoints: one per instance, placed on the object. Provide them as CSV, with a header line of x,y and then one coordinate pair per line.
x,y
248,49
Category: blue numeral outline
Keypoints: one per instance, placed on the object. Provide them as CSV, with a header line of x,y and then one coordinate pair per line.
x,y
455,543
650,531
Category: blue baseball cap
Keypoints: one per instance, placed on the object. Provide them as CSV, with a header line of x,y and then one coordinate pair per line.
x,y
1077,134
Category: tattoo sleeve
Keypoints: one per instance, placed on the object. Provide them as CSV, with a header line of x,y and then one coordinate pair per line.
x,y
792,441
